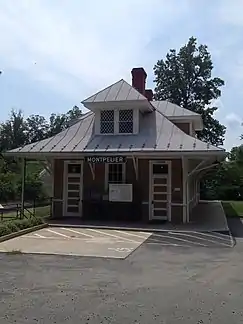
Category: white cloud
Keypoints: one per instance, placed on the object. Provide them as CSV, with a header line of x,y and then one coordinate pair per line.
x,y
231,12
77,47
88,44
234,129
233,120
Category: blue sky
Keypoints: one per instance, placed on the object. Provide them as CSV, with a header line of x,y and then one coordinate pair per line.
x,y
55,53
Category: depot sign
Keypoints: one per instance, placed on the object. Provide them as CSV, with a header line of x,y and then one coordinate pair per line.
x,y
105,159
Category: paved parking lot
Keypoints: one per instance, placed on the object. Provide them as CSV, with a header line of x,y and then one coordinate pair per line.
x,y
156,284
191,239
77,241
108,243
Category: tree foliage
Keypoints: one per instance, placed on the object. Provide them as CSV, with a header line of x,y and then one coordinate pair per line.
x,y
227,182
13,132
18,131
185,78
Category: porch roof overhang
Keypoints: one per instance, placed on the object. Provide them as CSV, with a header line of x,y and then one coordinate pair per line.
x,y
200,155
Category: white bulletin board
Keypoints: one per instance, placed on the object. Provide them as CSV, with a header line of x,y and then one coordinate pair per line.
x,y
120,192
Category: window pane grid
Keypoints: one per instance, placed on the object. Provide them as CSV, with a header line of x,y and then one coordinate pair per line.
x,y
126,127
107,121
126,121
115,173
107,127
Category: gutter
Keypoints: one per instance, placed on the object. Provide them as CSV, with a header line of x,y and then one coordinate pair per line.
x,y
74,155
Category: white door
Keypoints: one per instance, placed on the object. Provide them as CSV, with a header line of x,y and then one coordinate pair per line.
x,y
73,188
160,191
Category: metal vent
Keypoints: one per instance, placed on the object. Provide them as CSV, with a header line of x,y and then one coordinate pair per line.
x,y
107,121
126,121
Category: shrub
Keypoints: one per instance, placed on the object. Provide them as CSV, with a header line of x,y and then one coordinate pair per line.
x,y
12,226
34,221
22,223
4,230
16,225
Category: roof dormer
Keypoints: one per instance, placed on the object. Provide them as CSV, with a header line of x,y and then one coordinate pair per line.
x,y
118,95
117,107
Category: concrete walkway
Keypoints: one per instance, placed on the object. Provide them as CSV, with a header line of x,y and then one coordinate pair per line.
x,y
208,216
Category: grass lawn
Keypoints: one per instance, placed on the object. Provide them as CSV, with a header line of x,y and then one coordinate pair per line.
x,y
233,208
43,211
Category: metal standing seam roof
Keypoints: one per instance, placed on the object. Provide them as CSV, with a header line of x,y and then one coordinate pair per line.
x,y
157,134
171,110
119,91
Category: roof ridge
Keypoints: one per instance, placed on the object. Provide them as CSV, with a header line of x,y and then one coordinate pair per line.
x,y
96,94
93,97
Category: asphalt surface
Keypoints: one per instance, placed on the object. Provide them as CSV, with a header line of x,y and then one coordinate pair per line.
x,y
77,241
154,284
108,243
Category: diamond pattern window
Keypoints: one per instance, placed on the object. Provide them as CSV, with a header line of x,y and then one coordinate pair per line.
x,y
107,122
126,121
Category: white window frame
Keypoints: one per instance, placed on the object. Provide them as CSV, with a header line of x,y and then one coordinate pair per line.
x,y
116,122
107,174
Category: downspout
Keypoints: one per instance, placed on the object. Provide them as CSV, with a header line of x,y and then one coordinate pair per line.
x,y
23,187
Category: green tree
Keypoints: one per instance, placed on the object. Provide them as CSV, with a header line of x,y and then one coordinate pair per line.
x,y
226,182
13,132
185,78
73,114
38,128
16,132
59,122
8,188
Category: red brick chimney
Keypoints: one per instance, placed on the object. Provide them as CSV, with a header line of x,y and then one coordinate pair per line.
x,y
139,79
149,94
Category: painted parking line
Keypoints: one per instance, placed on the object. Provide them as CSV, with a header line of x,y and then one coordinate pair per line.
x,y
121,250
57,233
30,236
113,235
169,244
225,237
38,235
108,237
176,238
78,232
198,238
214,235
135,235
